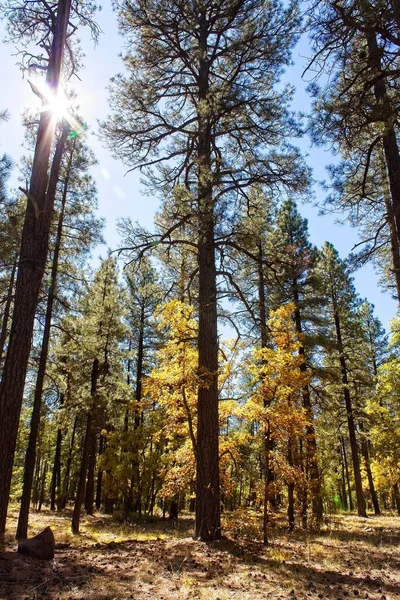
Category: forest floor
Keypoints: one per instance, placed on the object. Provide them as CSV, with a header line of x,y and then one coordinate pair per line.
x,y
158,560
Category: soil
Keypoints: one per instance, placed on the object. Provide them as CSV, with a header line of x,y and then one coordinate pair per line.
x,y
109,560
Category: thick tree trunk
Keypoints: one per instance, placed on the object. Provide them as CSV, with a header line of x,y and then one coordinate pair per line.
x,y
208,524
22,530
361,508
394,238
7,309
33,256
208,511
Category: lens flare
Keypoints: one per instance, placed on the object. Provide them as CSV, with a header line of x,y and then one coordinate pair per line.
x,y
58,104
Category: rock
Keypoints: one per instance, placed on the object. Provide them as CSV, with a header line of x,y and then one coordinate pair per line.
x,y
41,546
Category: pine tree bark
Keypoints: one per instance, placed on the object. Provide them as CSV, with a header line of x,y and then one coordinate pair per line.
x,y
208,512
22,529
7,309
394,238
208,525
33,256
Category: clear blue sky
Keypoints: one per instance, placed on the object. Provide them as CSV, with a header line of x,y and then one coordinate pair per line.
x,y
120,193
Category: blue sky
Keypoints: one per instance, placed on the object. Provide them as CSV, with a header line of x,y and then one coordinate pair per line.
x,y
120,192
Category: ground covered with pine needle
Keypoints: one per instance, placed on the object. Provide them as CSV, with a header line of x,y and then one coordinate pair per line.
x,y
158,560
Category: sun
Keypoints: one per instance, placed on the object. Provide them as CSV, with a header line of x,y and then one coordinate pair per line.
x,y
58,104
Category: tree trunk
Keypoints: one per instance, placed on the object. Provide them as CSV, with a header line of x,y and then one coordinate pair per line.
x,y
311,443
36,482
89,493
268,443
99,483
33,256
208,513
396,494
80,493
361,508
394,238
22,530
7,309
56,476
42,486
65,487
389,141
346,466
343,481
267,482
136,476
303,495
365,454
290,511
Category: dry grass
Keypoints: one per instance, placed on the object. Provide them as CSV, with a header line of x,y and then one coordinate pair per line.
x,y
157,559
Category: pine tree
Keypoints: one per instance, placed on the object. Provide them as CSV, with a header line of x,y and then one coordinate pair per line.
x,y
342,303
10,235
207,125
48,26
294,261
143,294
276,401
77,196
94,352
356,110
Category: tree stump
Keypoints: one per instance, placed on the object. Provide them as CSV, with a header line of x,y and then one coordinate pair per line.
x,y
41,546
